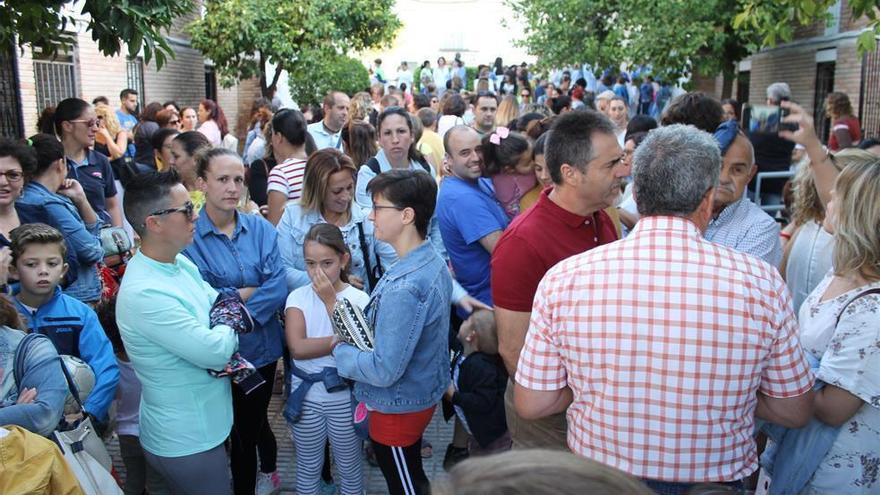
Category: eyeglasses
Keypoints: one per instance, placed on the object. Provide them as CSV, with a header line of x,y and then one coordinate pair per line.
x,y
187,209
88,123
12,175
386,207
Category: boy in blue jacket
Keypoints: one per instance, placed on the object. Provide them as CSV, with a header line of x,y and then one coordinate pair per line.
x,y
38,254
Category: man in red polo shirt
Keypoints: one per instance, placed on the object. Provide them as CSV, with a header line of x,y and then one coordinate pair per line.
x,y
586,164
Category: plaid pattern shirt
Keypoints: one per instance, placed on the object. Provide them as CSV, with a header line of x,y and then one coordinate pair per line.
x,y
664,339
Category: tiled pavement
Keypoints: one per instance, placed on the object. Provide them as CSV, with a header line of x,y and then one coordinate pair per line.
x,y
439,433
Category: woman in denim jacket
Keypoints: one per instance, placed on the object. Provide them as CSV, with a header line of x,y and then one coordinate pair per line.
x,y
238,252
35,404
51,198
402,380
327,197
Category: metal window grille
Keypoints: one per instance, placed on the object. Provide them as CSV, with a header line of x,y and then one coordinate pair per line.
x,y
869,103
134,77
743,81
210,83
824,86
55,78
11,124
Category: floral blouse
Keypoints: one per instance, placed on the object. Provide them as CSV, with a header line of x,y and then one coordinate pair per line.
x,y
850,359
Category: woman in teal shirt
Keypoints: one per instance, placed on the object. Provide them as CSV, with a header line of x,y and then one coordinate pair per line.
x,y
163,311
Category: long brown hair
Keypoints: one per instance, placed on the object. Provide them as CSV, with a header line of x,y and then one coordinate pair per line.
x,y
320,166
327,234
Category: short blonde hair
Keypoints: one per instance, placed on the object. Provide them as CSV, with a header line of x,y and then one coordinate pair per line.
x,y
536,472
359,107
857,220
107,114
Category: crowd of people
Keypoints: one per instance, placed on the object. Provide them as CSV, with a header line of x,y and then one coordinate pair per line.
x,y
558,263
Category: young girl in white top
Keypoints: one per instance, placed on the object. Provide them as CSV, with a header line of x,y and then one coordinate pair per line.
x,y
320,402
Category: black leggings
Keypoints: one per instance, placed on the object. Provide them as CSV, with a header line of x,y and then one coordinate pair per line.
x,y
402,468
251,431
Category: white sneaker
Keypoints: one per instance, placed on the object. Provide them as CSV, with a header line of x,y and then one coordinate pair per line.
x,y
268,483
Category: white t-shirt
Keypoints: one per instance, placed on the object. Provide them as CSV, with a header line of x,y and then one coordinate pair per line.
x,y
287,178
318,325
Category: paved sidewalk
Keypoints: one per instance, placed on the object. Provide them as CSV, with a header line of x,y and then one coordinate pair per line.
x,y
439,433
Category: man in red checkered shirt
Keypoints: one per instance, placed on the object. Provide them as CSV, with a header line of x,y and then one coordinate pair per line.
x,y
664,347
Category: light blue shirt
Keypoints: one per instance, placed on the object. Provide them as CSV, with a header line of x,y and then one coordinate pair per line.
x,y
744,226
248,259
324,139
163,314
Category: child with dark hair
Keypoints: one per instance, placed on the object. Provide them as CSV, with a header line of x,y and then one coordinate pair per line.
x,y
319,406
507,159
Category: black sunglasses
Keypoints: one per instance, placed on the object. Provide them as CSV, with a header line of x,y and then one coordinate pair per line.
x,y
187,209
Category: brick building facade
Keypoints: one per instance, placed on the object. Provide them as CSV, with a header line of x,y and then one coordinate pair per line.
x,y
820,59
85,73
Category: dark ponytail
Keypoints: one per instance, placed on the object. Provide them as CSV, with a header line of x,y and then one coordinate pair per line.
x,y
504,156
67,110
48,150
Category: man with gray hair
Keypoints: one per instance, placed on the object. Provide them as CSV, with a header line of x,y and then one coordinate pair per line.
x,y
663,347
772,153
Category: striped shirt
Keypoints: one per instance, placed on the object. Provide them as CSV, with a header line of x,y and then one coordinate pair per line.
x,y
744,226
287,178
665,340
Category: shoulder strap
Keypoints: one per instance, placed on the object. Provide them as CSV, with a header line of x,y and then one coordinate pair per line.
x,y
373,165
373,274
875,290
425,165
24,347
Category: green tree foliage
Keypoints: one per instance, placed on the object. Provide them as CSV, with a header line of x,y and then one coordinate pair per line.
x,y
777,19
244,38
137,23
677,38
315,77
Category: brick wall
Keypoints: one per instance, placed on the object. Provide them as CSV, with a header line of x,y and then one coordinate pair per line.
x,y
98,75
181,79
26,79
797,67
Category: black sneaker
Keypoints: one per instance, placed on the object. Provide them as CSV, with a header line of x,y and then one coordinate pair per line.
x,y
453,456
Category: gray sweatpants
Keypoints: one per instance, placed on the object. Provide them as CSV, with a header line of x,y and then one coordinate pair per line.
x,y
196,474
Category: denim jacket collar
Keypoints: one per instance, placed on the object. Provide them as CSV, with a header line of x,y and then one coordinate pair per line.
x,y
411,262
306,218
205,226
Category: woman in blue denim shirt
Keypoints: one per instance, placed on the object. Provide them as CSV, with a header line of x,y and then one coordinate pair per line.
x,y
403,379
327,197
239,252
51,198
35,404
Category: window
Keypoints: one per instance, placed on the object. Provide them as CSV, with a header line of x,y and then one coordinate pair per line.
x,y
824,86
134,77
743,80
11,124
210,83
55,78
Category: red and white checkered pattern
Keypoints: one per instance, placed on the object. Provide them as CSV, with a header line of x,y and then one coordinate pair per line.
x,y
665,339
